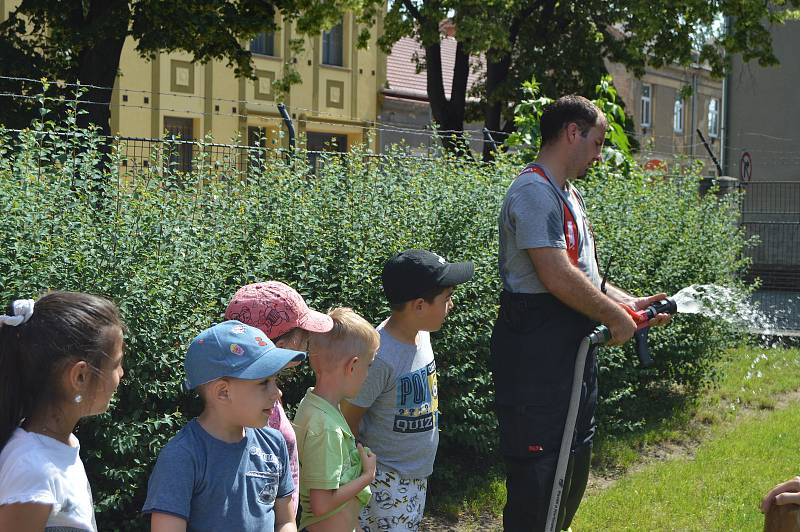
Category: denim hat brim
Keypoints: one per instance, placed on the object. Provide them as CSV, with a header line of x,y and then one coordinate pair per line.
x,y
269,363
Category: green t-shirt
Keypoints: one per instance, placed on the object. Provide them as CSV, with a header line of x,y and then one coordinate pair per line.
x,y
328,454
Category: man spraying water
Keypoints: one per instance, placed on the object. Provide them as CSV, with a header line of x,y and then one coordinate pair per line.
x,y
551,300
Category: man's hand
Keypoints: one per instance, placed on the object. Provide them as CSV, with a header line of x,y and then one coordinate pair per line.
x,y
786,493
642,303
621,326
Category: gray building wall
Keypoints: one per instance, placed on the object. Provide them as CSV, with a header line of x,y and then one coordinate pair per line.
x,y
408,121
763,115
764,111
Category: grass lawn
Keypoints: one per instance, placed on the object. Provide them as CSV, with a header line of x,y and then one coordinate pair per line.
x,y
751,441
742,436
751,378
719,488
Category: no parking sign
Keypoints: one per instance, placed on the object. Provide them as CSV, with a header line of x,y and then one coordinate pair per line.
x,y
746,167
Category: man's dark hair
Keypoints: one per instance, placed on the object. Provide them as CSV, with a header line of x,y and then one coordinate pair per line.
x,y
567,110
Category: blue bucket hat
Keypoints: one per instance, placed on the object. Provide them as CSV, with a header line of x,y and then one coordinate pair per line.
x,y
233,349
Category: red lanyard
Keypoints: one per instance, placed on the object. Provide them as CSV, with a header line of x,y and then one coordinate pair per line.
x,y
570,227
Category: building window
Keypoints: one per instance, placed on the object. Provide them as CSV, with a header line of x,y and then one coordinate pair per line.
x,y
178,144
333,46
263,43
646,105
677,115
713,118
316,143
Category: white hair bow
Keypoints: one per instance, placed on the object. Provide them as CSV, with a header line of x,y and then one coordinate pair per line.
x,y
23,310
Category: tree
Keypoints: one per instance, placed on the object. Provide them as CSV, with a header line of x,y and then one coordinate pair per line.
x,y
82,40
563,44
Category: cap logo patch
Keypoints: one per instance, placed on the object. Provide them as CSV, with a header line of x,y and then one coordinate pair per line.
x,y
260,341
238,329
236,349
441,260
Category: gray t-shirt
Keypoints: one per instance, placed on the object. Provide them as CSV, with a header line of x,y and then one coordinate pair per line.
x,y
532,217
215,485
401,424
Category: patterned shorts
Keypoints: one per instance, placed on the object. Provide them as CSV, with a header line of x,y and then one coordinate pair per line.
x,y
397,503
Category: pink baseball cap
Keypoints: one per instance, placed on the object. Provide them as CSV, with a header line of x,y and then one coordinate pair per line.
x,y
276,309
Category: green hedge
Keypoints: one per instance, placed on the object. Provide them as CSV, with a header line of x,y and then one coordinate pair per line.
x,y
171,249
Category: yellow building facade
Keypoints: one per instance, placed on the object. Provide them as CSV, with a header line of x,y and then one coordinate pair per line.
x,y
336,99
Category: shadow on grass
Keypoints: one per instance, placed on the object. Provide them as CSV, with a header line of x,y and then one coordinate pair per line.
x,y
472,484
664,414
466,484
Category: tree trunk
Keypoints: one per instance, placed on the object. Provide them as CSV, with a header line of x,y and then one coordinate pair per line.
x,y
98,63
498,68
496,73
448,114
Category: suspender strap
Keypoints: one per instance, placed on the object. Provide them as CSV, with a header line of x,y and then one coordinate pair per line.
x,y
571,234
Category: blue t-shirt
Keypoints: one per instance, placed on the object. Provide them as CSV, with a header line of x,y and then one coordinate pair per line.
x,y
215,485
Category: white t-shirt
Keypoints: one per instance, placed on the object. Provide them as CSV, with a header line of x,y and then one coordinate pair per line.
x,y
38,469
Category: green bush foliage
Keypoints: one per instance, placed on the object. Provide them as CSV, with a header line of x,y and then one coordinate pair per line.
x,y
171,248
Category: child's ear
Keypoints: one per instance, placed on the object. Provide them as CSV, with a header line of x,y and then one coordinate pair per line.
x,y
79,377
350,367
220,390
419,303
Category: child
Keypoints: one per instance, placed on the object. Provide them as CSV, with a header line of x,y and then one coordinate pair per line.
x,y
781,507
60,360
222,471
335,474
396,412
282,314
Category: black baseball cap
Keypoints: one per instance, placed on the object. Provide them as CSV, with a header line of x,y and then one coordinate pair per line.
x,y
414,273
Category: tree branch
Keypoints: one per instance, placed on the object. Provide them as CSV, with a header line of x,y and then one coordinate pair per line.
x,y
413,10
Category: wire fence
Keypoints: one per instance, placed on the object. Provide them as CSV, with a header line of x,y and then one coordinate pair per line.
x,y
771,211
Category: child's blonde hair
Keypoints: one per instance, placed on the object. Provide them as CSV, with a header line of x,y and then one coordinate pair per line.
x,y
351,336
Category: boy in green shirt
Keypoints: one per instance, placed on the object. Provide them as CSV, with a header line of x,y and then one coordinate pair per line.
x,y
335,473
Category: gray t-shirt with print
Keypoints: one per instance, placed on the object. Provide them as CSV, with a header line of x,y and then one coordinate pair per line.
x,y
532,217
401,424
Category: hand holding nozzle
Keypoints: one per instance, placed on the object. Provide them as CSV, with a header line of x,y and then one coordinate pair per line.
x,y
621,326
643,319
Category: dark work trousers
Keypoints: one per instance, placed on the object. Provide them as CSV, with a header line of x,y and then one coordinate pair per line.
x,y
533,348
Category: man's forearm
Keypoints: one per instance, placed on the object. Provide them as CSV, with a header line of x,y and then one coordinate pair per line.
x,y
572,287
576,291
617,294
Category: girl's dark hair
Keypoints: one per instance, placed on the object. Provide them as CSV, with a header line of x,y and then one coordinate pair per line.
x,y
64,327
